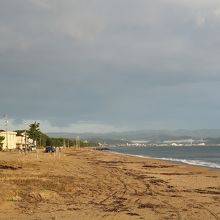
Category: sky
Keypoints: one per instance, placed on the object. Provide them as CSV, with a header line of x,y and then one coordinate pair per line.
x,y
103,66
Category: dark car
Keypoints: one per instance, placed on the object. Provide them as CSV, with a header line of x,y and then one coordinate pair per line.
x,y
50,149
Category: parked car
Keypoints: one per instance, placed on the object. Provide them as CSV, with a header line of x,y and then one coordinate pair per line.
x,y
31,148
50,149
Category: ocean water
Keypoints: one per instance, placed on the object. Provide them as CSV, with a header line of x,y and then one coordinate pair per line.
x,y
201,156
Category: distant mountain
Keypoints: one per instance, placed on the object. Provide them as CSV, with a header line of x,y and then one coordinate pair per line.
x,y
150,135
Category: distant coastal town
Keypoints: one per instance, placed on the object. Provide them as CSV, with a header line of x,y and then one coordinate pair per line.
x,y
33,137
171,143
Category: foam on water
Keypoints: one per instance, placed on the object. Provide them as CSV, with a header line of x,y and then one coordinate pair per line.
x,y
191,162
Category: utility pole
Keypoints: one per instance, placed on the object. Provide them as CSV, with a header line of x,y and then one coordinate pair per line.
x,y
78,143
40,141
25,137
6,130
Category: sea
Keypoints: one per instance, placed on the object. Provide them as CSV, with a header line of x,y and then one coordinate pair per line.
x,y
207,156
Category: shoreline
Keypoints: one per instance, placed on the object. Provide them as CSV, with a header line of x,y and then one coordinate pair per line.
x,y
173,160
91,184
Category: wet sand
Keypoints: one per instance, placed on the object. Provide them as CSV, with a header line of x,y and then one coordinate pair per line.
x,y
90,184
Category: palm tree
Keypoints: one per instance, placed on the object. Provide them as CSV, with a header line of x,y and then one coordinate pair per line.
x,y
34,132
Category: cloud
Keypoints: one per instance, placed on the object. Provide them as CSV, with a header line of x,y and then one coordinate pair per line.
x,y
78,127
119,63
44,4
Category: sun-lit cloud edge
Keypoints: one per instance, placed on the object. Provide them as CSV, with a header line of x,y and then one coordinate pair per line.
x,y
78,127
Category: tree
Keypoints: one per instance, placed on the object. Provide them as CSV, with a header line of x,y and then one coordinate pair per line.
x,y
34,132
57,142
43,139
20,132
1,144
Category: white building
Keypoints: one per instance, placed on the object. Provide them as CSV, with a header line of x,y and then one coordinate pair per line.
x,y
22,141
176,145
13,141
9,143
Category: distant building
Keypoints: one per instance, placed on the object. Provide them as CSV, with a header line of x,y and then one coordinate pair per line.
x,y
9,143
13,141
23,141
20,141
176,145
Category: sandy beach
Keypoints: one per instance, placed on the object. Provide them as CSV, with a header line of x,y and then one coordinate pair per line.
x,y
91,184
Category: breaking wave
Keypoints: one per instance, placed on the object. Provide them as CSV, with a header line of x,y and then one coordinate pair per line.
x,y
191,162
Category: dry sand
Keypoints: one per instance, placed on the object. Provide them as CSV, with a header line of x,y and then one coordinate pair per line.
x,y
90,184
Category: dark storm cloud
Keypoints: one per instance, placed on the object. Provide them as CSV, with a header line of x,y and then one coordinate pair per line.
x,y
132,64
